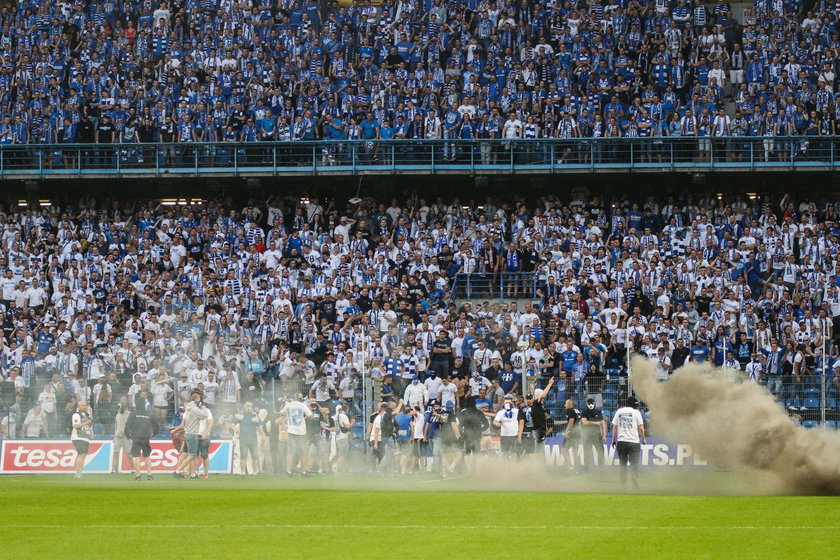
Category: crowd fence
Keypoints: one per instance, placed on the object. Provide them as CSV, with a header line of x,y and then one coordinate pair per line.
x,y
541,155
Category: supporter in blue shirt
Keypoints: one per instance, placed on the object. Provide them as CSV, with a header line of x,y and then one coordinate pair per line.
x,y
509,379
699,353
370,127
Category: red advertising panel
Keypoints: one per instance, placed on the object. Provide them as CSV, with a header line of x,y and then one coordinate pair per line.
x,y
52,457
165,458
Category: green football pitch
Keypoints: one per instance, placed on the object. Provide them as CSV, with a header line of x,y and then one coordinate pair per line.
x,y
410,517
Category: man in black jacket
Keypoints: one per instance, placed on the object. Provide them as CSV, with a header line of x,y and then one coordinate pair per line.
x,y
146,135
473,423
139,428
86,134
680,354
105,134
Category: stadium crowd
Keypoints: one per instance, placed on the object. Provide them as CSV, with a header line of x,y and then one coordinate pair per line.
x,y
105,302
219,70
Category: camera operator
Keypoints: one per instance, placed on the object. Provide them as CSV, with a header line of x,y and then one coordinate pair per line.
x,y
347,389
250,425
322,391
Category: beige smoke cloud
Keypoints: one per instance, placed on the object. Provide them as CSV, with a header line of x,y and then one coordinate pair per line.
x,y
739,426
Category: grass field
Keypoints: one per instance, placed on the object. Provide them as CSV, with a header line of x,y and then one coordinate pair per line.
x,y
48,517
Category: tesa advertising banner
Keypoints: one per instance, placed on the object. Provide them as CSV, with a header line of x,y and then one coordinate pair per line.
x,y
165,458
44,456
34,456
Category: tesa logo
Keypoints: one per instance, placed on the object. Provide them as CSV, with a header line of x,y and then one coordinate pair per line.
x,y
164,457
43,456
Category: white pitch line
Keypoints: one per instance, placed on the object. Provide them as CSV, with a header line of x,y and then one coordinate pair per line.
x,y
468,527
441,479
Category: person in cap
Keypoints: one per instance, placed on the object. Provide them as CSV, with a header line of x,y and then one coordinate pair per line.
x,y
526,436
628,435
183,387
594,434
432,448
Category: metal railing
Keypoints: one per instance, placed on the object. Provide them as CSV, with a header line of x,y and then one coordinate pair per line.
x,y
582,155
500,285
812,398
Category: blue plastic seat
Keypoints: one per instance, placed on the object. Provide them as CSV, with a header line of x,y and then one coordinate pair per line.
x,y
811,403
812,393
810,424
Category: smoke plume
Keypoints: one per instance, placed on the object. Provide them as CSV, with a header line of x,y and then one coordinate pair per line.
x,y
739,426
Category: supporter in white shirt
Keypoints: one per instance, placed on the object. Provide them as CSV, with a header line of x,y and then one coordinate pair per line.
x,y
8,286
20,295
199,373
295,414
513,127
507,420
628,433
211,389
35,424
478,383
433,385
447,394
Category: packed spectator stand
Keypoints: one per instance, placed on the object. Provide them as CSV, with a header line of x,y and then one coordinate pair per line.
x,y
346,304
221,71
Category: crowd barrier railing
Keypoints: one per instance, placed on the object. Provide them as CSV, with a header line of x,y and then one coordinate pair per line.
x,y
474,156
